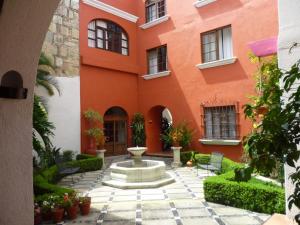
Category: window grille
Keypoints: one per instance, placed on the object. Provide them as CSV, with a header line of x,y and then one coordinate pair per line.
x,y
220,122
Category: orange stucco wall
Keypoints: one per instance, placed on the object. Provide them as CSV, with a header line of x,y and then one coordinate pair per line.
x,y
109,79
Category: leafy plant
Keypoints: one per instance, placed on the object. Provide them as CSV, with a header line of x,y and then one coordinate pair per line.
x,y
95,132
179,135
165,126
276,134
67,155
138,130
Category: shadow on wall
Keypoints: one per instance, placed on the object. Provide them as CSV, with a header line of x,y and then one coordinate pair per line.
x,y
224,74
218,8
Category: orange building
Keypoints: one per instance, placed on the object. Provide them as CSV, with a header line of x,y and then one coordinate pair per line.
x,y
185,56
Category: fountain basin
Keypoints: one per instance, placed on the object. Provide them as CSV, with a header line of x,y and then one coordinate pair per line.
x,y
149,174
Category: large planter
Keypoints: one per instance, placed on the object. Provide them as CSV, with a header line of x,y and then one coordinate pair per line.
x,y
46,216
58,215
38,219
85,206
72,212
176,156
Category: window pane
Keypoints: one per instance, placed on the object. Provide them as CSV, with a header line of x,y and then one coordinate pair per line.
x,y
100,43
124,43
124,51
99,33
92,25
91,34
227,43
101,23
152,57
91,43
161,8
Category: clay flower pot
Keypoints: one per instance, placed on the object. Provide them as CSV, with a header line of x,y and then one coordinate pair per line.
x,y
38,218
58,215
189,163
72,212
85,206
46,216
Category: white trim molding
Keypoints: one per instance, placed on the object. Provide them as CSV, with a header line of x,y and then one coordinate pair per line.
x,y
221,62
219,142
157,75
112,10
201,3
155,22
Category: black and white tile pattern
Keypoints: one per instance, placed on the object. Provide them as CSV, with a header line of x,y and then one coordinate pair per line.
x,y
180,203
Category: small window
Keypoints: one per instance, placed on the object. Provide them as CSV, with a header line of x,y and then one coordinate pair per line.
x,y
220,122
155,9
108,36
217,45
157,60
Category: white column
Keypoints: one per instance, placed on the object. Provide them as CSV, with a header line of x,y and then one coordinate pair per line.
x,y
176,156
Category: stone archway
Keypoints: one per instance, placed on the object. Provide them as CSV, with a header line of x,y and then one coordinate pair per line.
x,y
23,26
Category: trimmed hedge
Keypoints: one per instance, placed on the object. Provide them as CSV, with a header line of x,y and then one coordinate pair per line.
x,y
44,182
84,156
254,195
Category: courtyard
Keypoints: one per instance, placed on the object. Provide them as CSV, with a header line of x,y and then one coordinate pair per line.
x,y
181,202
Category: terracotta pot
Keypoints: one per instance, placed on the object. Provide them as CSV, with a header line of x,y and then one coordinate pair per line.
x,y
38,218
46,216
58,215
72,212
85,208
189,163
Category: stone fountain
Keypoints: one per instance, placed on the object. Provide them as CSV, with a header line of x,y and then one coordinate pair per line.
x,y
138,173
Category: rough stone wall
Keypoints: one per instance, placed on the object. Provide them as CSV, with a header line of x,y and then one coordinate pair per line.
x,y
62,40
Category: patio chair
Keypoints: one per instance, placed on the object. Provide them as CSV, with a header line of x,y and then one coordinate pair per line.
x,y
215,163
64,169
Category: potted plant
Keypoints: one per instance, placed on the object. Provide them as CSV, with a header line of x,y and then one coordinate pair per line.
x,y
37,214
138,130
94,132
46,210
57,209
71,205
85,205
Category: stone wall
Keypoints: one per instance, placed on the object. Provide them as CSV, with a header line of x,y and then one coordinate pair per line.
x,y
62,39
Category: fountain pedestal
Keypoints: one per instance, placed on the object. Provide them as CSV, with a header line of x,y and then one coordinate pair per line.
x,y
176,156
138,173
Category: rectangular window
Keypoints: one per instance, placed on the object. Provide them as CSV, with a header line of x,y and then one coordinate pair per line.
x,y
155,9
157,60
217,45
220,122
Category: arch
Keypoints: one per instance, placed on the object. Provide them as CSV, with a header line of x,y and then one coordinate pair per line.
x,y
116,130
108,35
158,119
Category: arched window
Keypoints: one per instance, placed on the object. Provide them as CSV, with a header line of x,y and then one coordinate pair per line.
x,y
155,9
108,36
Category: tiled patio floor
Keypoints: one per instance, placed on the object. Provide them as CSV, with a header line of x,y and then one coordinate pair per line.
x,y
179,203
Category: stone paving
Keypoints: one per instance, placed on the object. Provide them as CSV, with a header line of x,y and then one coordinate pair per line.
x,y
180,203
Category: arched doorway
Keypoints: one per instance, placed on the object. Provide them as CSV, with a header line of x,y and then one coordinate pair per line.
x,y
159,119
115,130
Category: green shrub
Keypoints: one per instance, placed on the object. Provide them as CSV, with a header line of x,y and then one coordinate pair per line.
x,y
84,156
90,164
254,195
186,156
242,174
44,182
67,155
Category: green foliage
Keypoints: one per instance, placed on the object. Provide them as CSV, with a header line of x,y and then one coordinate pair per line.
x,y
165,126
92,115
44,182
86,165
186,156
254,195
67,155
243,174
84,156
138,130
277,133
180,135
